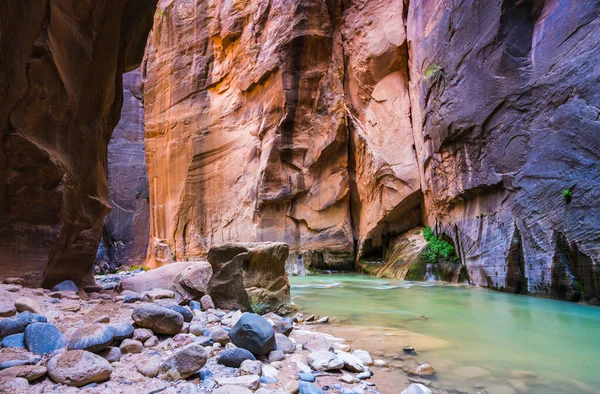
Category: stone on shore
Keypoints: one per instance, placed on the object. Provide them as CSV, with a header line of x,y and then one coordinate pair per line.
x,y
26,304
14,281
207,302
78,368
417,388
284,326
123,331
131,346
93,337
29,372
285,344
17,324
231,390
254,333
325,361
182,310
10,357
111,354
7,310
308,388
220,335
44,338
157,294
14,341
149,367
157,318
184,362
234,357
351,363
250,382
251,367
363,356
142,334
67,285
276,355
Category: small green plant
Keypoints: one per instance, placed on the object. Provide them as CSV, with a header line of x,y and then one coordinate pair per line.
x,y
567,195
138,193
138,267
437,246
432,70
147,198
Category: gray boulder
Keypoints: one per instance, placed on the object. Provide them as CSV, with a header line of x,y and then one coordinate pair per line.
x,y
93,338
43,338
234,357
159,319
78,368
254,333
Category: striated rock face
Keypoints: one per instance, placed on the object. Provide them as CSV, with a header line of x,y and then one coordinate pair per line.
x,y
335,126
125,234
505,106
246,126
60,97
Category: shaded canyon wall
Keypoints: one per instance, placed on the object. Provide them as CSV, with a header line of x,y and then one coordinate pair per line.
x,y
336,125
124,240
60,98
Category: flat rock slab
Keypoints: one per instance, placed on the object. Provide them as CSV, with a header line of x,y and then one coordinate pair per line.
x,y
29,372
44,338
78,368
250,382
93,337
10,357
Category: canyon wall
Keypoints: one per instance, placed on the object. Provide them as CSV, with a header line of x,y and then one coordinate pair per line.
x,y
124,240
60,97
336,125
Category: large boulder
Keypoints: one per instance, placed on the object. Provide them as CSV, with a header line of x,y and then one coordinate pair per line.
x,y
254,333
234,357
158,319
184,362
250,276
188,280
78,368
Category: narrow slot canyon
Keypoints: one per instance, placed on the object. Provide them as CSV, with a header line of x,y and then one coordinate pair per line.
x,y
398,172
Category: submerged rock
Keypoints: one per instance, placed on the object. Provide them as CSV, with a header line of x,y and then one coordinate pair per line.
x,y
254,333
423,370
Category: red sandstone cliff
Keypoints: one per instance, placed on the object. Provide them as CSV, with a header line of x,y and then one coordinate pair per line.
x,y
335,125
60,97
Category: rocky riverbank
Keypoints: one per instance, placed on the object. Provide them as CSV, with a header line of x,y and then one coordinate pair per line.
x,y
68,341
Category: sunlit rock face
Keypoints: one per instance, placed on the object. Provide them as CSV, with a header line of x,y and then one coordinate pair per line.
x,y
246,126
335,126
124,239
505,106
60,97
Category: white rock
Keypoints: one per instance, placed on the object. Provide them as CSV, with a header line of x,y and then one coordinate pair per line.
x,y
251,367
351,363
347,378
324,361
363,356
380,363
250,382
269,371
417,388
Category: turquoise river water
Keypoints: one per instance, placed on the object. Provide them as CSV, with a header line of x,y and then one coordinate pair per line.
x,y
475,338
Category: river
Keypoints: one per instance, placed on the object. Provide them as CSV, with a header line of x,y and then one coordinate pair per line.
x,y
474,337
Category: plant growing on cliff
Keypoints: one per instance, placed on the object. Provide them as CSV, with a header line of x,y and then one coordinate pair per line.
x,y
567,195
434,72
436,246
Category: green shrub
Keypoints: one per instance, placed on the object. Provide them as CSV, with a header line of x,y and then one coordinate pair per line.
x,y
138,267
437,246
567,195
